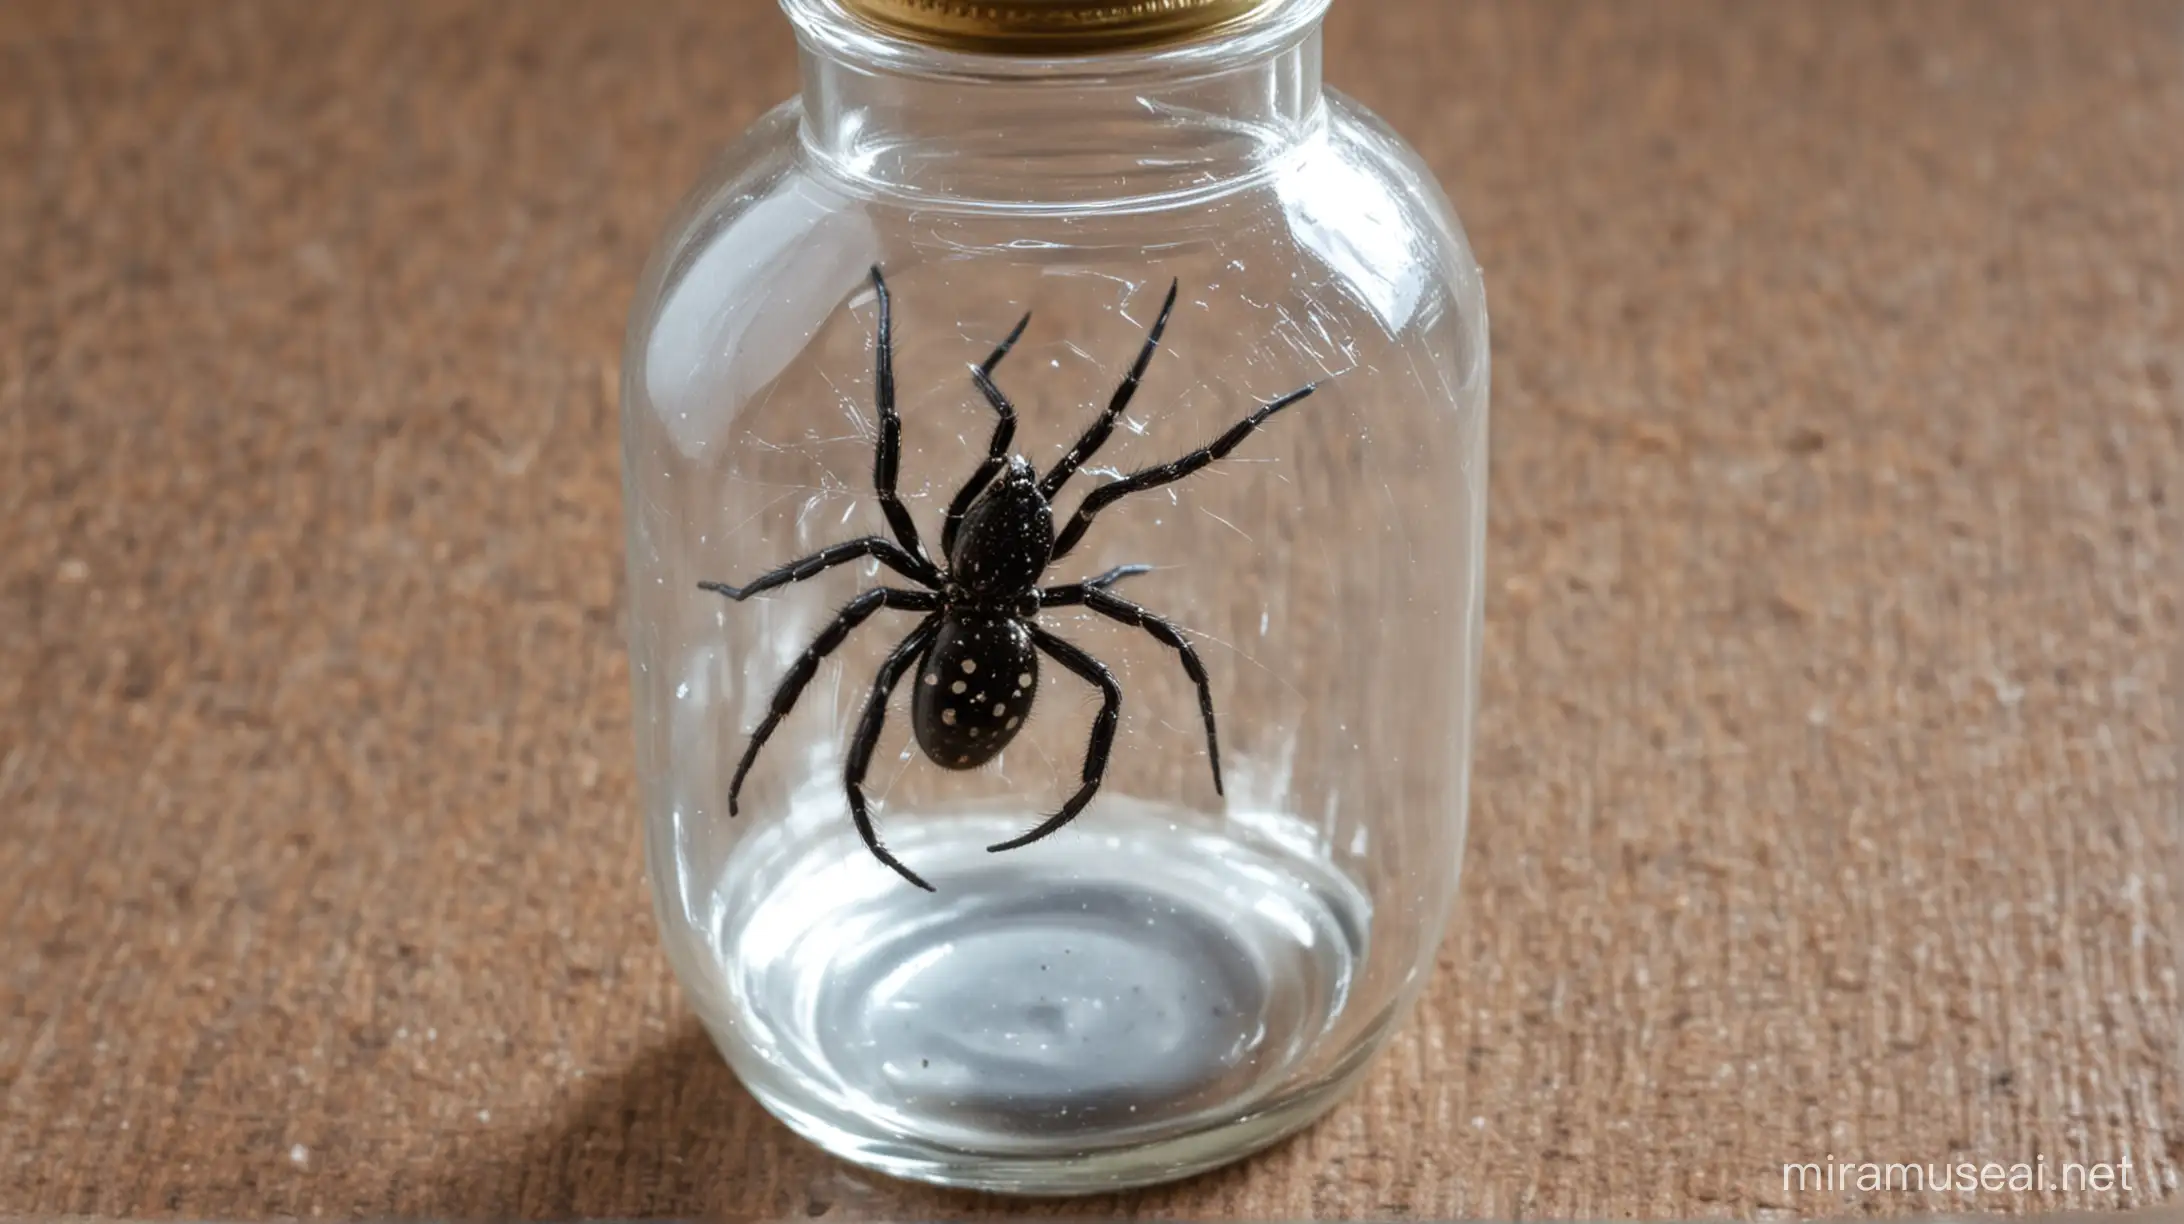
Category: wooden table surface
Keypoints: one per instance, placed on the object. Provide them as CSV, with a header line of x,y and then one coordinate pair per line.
x,y
1826,778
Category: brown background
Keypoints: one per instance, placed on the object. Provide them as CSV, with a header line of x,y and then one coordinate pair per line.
x,y
1825,772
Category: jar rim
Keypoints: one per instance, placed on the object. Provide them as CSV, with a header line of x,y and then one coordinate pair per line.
x,y
830,27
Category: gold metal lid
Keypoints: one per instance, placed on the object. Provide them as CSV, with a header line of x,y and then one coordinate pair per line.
x,y
1054,27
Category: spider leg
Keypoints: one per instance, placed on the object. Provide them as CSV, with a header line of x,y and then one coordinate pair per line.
x,y
888,455
1169,473
1115,607
868,738
997,451
887,551
1116,575
792,685
1103,733
1076,592
1096,434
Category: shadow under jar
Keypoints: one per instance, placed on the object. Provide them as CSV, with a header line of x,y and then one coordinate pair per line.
x,y
1178,974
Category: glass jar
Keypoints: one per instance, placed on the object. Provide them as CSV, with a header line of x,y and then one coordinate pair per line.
x,y
1203,959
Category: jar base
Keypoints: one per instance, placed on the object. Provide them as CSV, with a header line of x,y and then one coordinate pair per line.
x,y
1124,1003
1086,1172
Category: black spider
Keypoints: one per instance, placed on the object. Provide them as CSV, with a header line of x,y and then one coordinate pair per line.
x,y
977,650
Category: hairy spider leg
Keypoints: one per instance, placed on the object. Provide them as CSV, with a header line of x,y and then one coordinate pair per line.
x,y
868,738
1096,434
1074,594
997,451
885,550
887,457
1116,608
856,613
1103,733
1168,473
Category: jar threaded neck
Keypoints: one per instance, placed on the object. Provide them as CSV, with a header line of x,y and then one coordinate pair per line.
x,y
1057,27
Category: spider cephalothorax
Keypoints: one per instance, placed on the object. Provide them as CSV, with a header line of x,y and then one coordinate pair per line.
x,y
977,649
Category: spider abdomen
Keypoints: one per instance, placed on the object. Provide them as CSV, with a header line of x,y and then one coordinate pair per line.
x,y
974,689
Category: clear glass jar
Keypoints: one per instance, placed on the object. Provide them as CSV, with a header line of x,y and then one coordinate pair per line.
x,y
1178,976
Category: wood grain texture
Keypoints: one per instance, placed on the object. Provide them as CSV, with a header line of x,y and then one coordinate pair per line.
x,y
1826,787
